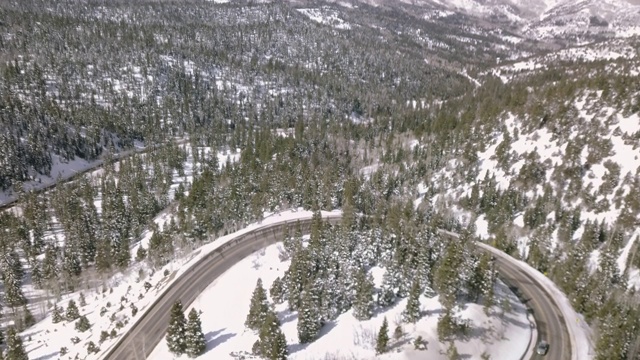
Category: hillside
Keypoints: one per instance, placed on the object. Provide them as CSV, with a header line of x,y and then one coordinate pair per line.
x,y
551,174
516,123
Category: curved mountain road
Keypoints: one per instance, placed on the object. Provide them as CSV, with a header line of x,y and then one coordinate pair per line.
x,y
150,328
550,323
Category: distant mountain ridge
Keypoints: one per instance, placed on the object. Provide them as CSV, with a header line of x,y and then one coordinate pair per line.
x,y
540,19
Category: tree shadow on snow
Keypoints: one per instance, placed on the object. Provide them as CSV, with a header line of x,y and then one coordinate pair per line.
x,y
213,338
330,325
48,356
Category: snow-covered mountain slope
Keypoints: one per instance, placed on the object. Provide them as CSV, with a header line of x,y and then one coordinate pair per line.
x,y
621,55
574,20
580,17
566,142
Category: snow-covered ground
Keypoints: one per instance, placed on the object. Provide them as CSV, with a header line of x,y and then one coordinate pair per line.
x,y
225,304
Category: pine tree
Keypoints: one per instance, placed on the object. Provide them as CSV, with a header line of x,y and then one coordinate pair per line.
x,y
177,328
258,309
383,338
29,320
452,352
83,324
56,316
196,344
387,294
15,349
273,344
411,313
277,291
308,318
489,300
50,268
363,304
72,311
12,280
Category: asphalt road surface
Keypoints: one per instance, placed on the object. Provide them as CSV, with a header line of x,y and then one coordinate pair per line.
x,y
142,338
549,320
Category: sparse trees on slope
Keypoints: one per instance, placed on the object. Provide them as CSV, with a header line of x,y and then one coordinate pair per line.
x,y
177,327
196,344
258,308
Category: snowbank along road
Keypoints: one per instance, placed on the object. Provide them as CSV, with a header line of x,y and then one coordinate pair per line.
x,y
147,332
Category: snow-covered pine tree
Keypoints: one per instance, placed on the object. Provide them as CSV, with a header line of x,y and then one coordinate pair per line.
x,y
411,313
296,277
382,341
196,344
83,324
50,268
308,317
72,311
447,276
56,315
273,344
387,294
258,308
15,348
363,304
28,319
71,265
277,291
12,289
452,351
177,328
